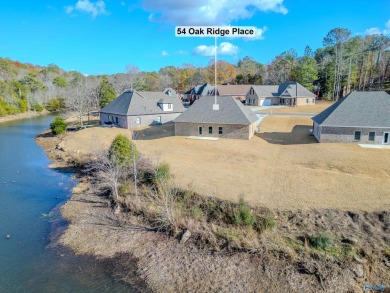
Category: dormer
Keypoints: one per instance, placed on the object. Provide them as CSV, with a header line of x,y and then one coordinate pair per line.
x,y
165,105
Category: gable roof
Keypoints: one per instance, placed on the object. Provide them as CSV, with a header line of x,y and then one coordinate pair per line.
x,y
231,111
293,89
232,89
131,102
266,90
200,90
359,109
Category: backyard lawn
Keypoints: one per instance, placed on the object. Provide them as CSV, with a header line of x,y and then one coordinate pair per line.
x,y
281,167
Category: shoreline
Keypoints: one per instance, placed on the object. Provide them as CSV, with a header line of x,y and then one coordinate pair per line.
x,y
25,115
155,262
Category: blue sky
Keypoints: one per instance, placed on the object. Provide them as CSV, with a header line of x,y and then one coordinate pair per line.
x,y
103,36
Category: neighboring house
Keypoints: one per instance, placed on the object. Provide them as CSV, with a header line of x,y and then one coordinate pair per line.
x,y
132,109
171,92
231,120
362,117
237,91
288,93
198,91
262,95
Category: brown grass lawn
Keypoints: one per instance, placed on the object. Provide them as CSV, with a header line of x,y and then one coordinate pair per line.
x,y
282,167
315,109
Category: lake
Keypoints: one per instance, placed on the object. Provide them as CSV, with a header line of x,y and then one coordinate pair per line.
x,y
30,197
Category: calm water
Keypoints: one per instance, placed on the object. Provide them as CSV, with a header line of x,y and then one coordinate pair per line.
x,y
28,189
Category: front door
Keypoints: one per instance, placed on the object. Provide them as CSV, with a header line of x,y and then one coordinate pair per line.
x,y
200,130
386,138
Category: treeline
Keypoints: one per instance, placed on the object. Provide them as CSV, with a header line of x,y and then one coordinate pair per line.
x,y
343,64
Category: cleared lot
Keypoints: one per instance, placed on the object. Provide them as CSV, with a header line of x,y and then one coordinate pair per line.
x,y
281,167
315,109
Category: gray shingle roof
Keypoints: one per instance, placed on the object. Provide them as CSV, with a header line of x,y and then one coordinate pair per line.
x,y
266,91
287,89
131,102
293,89
232,89
231,111
201,90
359,109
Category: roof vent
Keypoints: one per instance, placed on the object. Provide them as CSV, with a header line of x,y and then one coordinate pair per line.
x,y
169,93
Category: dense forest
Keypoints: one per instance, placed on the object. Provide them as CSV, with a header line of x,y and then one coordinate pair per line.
x,y
343,64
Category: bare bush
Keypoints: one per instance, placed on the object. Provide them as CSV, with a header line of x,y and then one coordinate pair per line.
x,y
164,200
107,173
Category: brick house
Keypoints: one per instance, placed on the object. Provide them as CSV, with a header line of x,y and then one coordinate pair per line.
x,y
288,93
360,117
230,119
237,91
133,109
198,91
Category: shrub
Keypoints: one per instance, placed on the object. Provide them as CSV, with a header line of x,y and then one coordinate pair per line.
x,y
320,241
23,105
3,111
37,108
58,126
53,105
123,150
265,223
196,213
243,215
163,173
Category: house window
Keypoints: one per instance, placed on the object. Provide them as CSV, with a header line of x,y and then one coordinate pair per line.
x,y
116,120
200,130
312,101
210,130
169,106
357,135
307,101
371,136
138,120
220,130
159,119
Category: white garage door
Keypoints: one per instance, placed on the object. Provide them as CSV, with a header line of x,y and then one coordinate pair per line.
x,y
267,102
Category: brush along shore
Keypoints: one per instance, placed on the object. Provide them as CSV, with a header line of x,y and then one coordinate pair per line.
x,y
175,240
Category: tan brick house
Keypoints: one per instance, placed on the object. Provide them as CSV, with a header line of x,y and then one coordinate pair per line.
x,y
360,117
230,119
288,93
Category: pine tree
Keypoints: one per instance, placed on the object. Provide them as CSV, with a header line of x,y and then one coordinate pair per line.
x,y
106,92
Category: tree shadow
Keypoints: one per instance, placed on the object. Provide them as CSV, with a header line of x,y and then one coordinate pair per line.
x,y
300,134
155,132
45,134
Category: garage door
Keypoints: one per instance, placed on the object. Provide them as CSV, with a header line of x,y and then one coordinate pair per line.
x,y
267,102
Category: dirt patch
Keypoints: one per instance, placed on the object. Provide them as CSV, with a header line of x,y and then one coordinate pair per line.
x,y
312,109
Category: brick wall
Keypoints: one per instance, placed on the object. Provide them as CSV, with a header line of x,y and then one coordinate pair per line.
x,y
229,131
122,120
302,101
346,134
127,121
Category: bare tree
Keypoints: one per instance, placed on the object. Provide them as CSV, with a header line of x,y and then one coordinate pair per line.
x,y
107,172
133,72
337,38
164,199
80,102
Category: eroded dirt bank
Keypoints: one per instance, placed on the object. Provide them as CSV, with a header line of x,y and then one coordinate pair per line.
x,y
155,262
